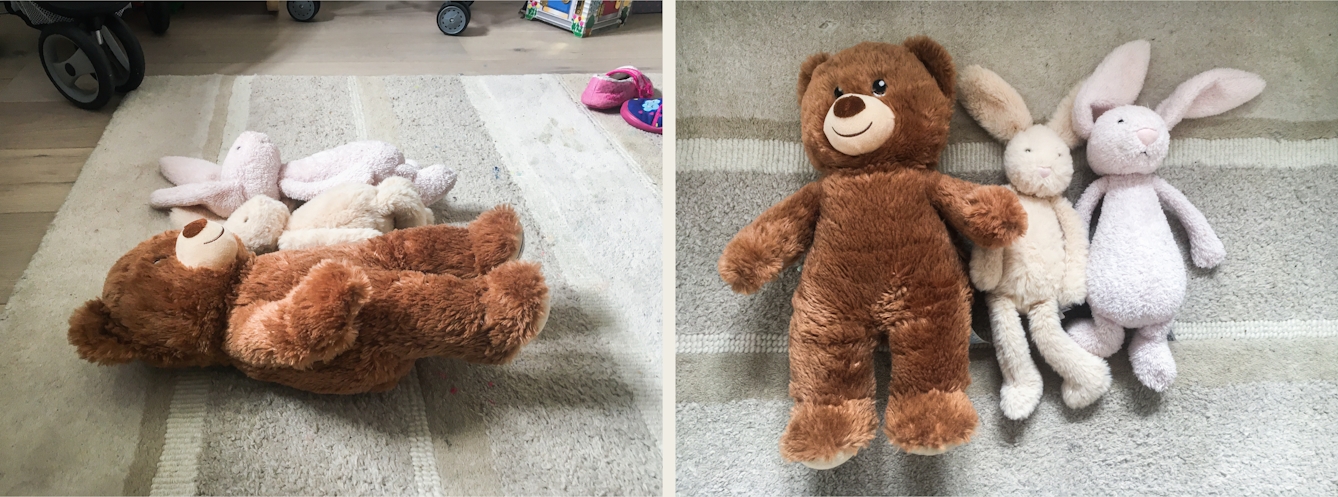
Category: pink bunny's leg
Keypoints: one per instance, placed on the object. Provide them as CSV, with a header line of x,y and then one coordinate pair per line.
x,y
1100,336
1150,355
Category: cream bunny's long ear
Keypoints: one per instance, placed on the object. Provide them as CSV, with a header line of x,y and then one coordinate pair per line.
x,y
1210,93
1115,82
1062,120
993,103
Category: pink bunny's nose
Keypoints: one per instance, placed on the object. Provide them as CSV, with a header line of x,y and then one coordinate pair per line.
x,y
1147,135
1045,172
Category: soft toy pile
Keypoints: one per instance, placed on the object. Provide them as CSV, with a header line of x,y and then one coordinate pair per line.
x,y
880,264
363,283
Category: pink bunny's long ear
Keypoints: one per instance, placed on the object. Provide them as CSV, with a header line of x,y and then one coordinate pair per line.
x,y
1115,82
1210,93
186,170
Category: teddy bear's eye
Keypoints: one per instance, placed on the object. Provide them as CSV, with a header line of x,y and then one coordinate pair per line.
x,y
1120,121
158,259
879,88
838,92
1027,150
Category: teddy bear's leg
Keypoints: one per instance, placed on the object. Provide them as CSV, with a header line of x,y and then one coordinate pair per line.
x,y
484,320
1099,335
1021,390
313,323
832,383
490,240
1150,355
929,333
1086,377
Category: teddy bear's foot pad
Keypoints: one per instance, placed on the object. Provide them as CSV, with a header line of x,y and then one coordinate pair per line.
x,y
516,308
828,434
929,423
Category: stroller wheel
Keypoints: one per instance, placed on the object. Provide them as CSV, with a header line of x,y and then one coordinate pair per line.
x,y
303,11
453,18
76,64
160,16
124,53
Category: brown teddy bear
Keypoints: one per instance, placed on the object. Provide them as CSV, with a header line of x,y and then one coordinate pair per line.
x,y
341,319
881,261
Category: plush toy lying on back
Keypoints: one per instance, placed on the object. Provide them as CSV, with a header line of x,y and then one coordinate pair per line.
x,y
345,319
881,262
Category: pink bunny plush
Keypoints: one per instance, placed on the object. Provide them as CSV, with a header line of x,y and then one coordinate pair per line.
x,y
253,167
250,168
1135,275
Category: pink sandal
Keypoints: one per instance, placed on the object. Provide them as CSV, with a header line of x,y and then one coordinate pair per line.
x,y
608,91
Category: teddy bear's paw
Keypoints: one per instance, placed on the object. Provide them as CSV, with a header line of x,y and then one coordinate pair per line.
x,y
1018,401
748,263
496,237
823,436
516,306
930,423
997,216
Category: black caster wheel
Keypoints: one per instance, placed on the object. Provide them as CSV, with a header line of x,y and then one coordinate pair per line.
x,y
77,65
160,16
453,18
303,11
124,53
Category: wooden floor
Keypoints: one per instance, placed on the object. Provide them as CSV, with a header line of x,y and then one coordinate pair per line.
x,y
44,141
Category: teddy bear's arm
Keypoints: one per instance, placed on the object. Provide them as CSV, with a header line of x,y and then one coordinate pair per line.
x,y
991,216
1073,289
1205,248
313,323
772,242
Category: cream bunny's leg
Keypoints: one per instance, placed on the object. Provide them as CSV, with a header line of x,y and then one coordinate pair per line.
x,y
1021,380
1086,377
1150,355
1100,336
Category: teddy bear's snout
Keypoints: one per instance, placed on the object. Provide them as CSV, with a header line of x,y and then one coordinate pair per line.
x,y
194,228
858,124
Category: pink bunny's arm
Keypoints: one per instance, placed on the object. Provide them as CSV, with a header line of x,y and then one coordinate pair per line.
x,y
1204,247
1090,197
1074,287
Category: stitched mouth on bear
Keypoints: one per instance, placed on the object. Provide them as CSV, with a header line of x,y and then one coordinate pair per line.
x,y
868,122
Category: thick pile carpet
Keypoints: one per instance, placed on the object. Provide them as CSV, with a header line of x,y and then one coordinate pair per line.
x,y
1255,406
577,412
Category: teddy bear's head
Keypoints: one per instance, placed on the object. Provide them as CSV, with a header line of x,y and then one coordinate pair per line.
x,y
877,104
166,301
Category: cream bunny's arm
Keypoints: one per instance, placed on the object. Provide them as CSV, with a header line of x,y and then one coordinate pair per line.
x,y
1073,290
1090,197
986,267
1204,246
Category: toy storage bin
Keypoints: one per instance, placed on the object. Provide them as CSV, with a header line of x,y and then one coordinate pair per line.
x,y
582,17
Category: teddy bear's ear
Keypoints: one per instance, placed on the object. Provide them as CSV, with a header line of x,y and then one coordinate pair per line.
x,y
936,60
91,331
806,71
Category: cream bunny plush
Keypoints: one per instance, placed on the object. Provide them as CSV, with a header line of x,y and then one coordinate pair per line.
x,y
346,213
1043,271
1135,274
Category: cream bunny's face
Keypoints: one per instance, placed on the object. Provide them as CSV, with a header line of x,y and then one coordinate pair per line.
x,y
1128,140
1038,162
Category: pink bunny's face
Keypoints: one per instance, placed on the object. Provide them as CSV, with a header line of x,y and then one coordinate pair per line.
x,y
1128,140
254,161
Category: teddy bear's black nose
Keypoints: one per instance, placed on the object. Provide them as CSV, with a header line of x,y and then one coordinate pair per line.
x,y
849,105
194,228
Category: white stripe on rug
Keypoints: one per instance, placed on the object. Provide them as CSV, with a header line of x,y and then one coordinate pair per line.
x,y
426,477
787,157
178,467
589,201
757,343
